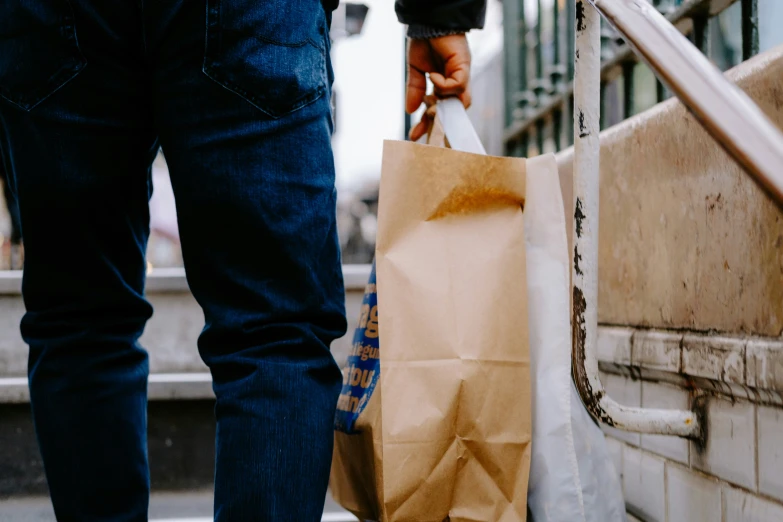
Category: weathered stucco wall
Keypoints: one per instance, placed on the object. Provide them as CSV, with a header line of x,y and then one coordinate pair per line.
x,y
687,240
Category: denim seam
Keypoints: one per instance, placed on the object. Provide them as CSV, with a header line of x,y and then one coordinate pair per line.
x,y
315,44
295,45
257,102
63,75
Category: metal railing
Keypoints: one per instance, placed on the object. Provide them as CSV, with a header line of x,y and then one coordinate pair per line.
x,y
584,323
540,69
726,112
729,115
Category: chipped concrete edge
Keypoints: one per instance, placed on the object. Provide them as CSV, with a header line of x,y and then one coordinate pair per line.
x,y
10,282
160,387
164,280
729,362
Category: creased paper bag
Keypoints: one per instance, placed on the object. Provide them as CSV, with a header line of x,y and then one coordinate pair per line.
x,y
433,422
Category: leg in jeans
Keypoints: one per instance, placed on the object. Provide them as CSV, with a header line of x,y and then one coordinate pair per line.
x,y
252,170
246,133
77,140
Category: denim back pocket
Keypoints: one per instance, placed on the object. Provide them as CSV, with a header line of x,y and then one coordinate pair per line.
x,y
270,52
39,52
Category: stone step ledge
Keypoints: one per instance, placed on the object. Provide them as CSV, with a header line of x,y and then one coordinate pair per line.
x,y
163,280
161,387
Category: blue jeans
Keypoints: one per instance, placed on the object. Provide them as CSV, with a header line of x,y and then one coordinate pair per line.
x,y
237,94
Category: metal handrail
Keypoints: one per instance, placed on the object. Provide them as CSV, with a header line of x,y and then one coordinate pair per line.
x,y
726,113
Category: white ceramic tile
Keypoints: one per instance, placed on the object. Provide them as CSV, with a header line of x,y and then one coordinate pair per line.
x,y
771,452
627,392
739,506
656,350
718,358
731,443
643,485
764,363
671,398
615,449
691,496
614,344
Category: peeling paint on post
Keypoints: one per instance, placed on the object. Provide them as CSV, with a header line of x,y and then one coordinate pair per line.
x,y
584,326
578,217
587,81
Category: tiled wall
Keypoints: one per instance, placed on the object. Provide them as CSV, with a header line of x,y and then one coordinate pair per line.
x,y
660,489
738,475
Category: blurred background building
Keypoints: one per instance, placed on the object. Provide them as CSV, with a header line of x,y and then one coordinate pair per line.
x,y
521,67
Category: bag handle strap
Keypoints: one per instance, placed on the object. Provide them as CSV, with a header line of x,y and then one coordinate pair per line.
x,y
452,128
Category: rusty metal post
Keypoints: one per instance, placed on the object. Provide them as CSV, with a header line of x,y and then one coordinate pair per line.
x,y
587,82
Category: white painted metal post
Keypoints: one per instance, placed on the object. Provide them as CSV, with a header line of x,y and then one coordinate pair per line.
x,y
587,103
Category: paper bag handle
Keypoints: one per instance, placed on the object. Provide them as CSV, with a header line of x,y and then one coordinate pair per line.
x,y
452,124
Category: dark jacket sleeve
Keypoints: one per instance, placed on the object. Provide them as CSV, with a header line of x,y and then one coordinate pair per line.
x,y
446,15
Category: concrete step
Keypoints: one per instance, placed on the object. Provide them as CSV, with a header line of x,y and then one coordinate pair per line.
x,y
181,447
161,387
185,506
170,336
181,426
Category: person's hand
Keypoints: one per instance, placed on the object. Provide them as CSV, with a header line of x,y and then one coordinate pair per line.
x,y
447,60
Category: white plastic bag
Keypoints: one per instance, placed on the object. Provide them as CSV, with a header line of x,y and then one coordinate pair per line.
x,y
572,477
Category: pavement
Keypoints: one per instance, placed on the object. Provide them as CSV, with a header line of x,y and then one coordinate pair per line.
x,y
190,506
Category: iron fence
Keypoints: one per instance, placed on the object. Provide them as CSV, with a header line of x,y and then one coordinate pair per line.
x,y
539,69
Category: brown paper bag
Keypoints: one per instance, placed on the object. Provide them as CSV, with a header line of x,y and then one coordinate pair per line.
x,y
434,420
